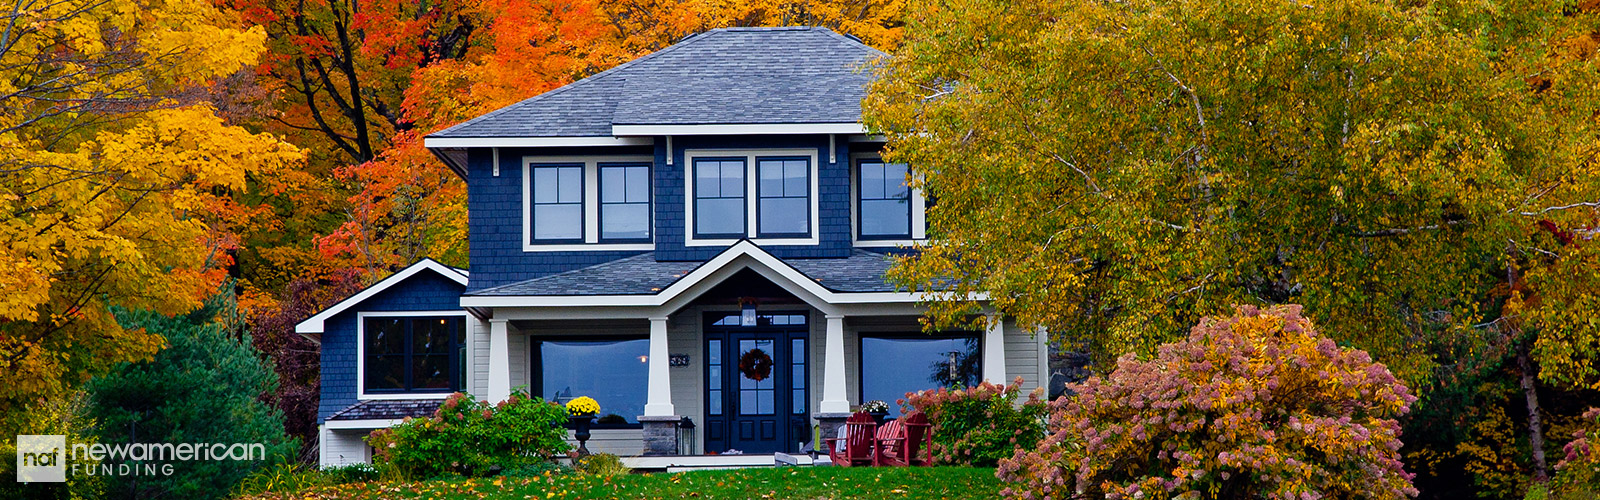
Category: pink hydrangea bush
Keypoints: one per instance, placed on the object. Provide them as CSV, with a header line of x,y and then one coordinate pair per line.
x,y
978,426
1257,405
1578,474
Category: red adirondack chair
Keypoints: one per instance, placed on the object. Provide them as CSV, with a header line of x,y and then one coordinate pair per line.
x,y
917,448
860,442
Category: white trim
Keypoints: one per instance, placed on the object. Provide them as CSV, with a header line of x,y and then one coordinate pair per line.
x,y
750,197
738,129
730,257
869,138
532,142
361,355
374,423
591,203
496,160
919,210
315,324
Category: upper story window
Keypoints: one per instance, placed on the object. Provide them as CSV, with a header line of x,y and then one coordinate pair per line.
x,y
557,203
587,203
769,195
412,354
884,200
719,204
624,202
783,198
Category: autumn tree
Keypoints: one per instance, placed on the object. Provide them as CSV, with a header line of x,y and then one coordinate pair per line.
x,y
114,178
1422,176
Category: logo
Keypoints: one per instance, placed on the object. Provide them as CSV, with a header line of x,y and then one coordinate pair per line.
x,y
42,458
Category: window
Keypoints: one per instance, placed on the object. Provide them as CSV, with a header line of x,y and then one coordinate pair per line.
x,y
557,203
719,205
613,372
624,202
783,200
885,200
893,365
413,354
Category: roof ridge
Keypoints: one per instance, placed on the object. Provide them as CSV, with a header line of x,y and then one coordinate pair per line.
x,y
569,271
562,89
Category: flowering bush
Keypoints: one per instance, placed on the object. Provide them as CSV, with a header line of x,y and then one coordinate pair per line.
x,y
980,425
473,438
583,405
1578,474
1257,405
875,406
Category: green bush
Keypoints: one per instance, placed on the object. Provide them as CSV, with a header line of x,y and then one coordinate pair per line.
x,y
539,469
472,438
602,464
350,473
980,425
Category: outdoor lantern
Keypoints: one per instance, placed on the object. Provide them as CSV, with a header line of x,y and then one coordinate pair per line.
x,y
747,315
685,436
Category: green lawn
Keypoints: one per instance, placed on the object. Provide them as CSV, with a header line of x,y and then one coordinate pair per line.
x,y
805,483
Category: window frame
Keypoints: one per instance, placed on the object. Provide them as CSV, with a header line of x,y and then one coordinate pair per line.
x,y
591,205
813,155
693,195
536,368
756,169
649,201
919,208
860,199
861,358
459,381
533,203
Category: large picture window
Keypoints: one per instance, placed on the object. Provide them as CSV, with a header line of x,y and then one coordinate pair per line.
x,y
719,204
892,365
884,204
413,354
624,202
557,203
613,372
783,197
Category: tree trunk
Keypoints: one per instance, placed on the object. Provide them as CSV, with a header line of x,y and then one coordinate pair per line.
x,y
1535,427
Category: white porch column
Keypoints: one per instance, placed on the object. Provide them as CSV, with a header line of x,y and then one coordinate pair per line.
x,y
833,393
658,401
994,350
499,361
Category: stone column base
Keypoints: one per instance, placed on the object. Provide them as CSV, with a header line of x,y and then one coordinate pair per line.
x,y
660,435
828,424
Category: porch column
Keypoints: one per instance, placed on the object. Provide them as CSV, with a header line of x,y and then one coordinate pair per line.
x,y
658,402
833,392
499,361
994,350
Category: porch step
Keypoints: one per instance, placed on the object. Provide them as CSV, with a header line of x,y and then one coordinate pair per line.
x,y
707,462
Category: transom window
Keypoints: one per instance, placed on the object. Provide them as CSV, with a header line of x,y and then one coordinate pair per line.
x,y
884,200
557,203
624,202
413,354
783,197
719,204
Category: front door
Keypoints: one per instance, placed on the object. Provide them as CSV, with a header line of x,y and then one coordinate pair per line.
x,y
756,383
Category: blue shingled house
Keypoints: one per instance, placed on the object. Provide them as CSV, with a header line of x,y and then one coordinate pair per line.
x,y
702,232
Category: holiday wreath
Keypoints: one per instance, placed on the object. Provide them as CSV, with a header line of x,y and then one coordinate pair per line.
x,y
756,365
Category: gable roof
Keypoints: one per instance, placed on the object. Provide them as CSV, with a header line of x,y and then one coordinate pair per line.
x,y
728,76
314,324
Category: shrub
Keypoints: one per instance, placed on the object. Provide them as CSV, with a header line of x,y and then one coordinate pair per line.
x,y
472,438
283,477
1578,474
350,473
980,425
1257,405
602,464
539,469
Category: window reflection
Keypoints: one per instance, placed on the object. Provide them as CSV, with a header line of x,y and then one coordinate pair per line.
x,y
891,366
613,372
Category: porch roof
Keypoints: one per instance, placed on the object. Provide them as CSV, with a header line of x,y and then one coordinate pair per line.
x,y
861,272
388,409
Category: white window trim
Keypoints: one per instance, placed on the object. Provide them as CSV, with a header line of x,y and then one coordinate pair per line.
x,y
919,210
591,203
750,197
361,353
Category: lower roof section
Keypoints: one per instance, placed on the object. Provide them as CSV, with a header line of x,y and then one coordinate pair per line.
x,y
388,409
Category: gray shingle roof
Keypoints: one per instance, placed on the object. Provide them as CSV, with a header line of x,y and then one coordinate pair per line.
x,y
388,409
723,76
642,275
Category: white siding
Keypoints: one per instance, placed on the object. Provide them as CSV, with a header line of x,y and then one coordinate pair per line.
x,y
1022,356
688,382
620,442
519,359
478,362
341,447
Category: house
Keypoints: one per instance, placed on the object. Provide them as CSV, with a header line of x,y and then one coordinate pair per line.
x,y
702,232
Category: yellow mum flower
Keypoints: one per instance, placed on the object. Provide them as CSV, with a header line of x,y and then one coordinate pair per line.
x,y
583,405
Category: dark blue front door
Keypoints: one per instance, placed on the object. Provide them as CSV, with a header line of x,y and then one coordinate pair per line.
x,y
756,384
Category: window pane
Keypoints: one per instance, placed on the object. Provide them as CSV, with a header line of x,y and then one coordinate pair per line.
x,y
895,177
719,216
430,372
707,178
625,221
385,372
784,216
872,181
571,185
614,373
771,177
544,185
733,178
557,222
893,366
794,178
613,185
638,184
430,336
385,336
885,218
